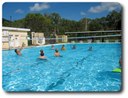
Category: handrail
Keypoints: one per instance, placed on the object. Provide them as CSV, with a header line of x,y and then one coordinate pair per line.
x,y
86,32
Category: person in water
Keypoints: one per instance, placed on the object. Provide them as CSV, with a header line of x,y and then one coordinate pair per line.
x,y
74,47
18,51
63,47
57,54
52,47
90,49
42,55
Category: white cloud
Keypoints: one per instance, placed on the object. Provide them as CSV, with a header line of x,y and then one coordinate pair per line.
x,y
19,11
108,6
83,13
39,7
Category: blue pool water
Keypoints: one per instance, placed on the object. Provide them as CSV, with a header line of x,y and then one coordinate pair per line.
x,y
77,70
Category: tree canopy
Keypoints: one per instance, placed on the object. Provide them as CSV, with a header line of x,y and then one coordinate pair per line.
x,y
49,23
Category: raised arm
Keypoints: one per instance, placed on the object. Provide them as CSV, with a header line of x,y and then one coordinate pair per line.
x,y
22,46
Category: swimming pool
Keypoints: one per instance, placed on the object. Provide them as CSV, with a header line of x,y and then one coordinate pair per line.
x,y
77,70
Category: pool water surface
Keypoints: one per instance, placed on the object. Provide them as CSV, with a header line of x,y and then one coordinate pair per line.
x,y
77,70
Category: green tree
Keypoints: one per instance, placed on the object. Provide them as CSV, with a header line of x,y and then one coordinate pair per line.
x,y
95,25
6,22
55,18
19,23
37,23
114,20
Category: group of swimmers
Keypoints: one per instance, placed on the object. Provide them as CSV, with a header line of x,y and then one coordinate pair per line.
x,y
56,54
62,48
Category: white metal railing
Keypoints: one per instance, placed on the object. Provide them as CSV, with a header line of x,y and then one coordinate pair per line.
x,y
117,35
87,37
108,31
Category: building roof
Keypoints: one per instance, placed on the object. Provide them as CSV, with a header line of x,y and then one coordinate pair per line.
x,y
15,29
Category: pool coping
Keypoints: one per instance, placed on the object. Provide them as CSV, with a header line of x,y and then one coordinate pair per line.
x,y
64,44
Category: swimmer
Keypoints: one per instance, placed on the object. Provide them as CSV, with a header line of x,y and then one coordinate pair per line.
x,y
57,54
90,49
52,47
74,47
18,51
42,55
63,47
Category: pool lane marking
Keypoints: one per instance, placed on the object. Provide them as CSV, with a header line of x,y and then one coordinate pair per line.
x,y
63,76
16,70
89,54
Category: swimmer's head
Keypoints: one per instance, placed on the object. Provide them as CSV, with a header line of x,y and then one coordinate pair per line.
x,y
41,50
16,50
56,50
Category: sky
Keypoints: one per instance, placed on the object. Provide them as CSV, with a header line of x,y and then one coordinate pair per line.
x,y
72,10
